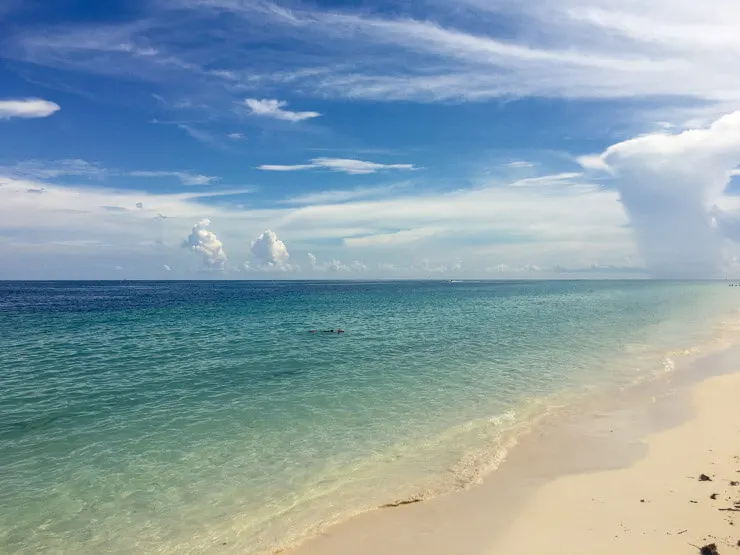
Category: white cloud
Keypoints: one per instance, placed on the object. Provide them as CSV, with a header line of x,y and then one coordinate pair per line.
x,y
547,179
593,162
581,48
335,266
27,108
434,52
507,269
282,168
276,109
578,224
345,165
428,267
51,169
186,178
395,238
668,183
199,135
38,169
519,164
236,136
343,195
166,268
269,250
205,242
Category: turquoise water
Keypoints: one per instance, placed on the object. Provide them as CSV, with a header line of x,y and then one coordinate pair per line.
x,y
205,417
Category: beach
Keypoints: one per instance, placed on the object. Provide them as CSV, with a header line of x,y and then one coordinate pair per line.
x,y
593,486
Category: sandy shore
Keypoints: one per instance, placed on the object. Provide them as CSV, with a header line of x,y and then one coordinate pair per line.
x,y
623,480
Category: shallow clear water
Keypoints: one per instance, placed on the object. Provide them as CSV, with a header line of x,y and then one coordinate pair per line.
x,y
204,416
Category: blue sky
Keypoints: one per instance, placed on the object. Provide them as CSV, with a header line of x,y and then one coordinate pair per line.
x,y
470,139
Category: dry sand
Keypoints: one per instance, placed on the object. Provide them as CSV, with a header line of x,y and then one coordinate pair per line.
x,y
657,505
583,489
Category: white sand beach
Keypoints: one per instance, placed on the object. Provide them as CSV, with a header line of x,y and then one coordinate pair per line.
x,y
586,488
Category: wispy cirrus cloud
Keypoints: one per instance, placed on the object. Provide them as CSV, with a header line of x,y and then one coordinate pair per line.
x,y
50,169
343,195
200,135
54,169
27,108
571,49
275,109
344,165
186,178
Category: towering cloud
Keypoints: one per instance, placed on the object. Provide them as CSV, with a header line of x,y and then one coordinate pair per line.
x,y
668,184
269,250
205,242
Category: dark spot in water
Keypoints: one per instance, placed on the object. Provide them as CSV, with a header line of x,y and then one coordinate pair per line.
x,y
282,374
17,429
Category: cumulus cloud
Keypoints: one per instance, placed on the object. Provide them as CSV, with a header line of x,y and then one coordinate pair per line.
x,y
27,108
668,184
507,269
335,266
276,109
205,242
428,267
269,250
345,165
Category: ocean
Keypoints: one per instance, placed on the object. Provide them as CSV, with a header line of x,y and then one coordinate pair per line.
x,y
207,417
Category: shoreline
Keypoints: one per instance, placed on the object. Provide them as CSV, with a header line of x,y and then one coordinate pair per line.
x,y
561,476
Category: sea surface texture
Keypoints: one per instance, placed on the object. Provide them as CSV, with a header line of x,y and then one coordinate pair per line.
x,y
205,417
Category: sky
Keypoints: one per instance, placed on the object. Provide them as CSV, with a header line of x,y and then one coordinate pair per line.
x,y
369,139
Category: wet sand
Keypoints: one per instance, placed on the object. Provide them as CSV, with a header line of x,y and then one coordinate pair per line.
x,y
621,475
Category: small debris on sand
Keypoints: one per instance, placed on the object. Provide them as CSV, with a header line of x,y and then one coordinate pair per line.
x,y
399,503
704,478
710,549
733,483
713,496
